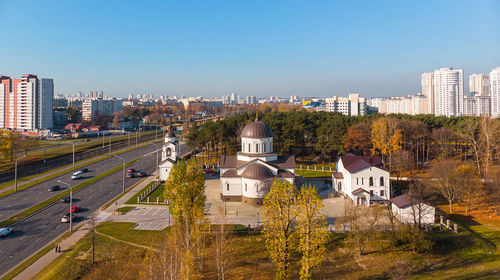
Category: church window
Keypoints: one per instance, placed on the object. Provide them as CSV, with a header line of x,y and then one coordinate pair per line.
x,y
248,147
371,181
382,181
169,152
362,181
382,193
227,186
357,181
245,186
256,148
265,147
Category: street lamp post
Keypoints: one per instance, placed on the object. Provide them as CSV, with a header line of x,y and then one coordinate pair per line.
x,y
156,133
157,149
123,177
74,144
136,138
70,204
103,138
128,139
15,172
110,144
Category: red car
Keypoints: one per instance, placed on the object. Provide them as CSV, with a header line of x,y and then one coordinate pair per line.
x,y
208,171
131,170
76,209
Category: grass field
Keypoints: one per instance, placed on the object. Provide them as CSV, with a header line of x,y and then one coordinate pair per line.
x,y
133,199
125,209
471,254
312,173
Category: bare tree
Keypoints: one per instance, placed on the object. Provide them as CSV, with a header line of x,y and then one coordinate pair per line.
x,y
223,251
446,181
365,223
490,134
419,195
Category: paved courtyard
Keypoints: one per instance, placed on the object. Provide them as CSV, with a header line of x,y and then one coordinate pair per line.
x,y
237,213
146,217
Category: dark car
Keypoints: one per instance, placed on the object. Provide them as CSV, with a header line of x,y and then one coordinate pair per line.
x,y
54,188
65,199
141,174
85,170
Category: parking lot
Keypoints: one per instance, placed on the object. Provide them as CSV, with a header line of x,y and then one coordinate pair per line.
x,y
146,217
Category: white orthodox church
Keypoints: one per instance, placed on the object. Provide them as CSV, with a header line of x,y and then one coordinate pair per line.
x,y
248,176
169,154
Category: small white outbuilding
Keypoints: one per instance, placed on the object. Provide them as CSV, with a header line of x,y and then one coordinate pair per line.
x,y
411,211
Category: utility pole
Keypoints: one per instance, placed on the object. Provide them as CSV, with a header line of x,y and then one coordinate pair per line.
x,y
44,151
128,139
156,133
103,137
110,144
136,138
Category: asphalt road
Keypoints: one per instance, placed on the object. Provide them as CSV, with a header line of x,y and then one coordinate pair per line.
x,y
16,202
37,231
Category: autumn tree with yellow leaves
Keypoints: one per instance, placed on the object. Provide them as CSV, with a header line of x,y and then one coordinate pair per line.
x,y
386,137
292,222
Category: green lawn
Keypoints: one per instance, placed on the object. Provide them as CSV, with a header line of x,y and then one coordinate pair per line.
x,y
312,173
133,199
125,209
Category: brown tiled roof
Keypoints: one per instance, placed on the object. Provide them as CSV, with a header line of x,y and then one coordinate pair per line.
x,y
285,174
401,201
354,163
230,173
228,161
338,175
358,190
257,171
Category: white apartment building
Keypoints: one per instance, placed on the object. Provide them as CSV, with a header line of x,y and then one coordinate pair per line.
x,y
479,84
350,106
26,103
495,92
412,104
428,91
95,107
448,92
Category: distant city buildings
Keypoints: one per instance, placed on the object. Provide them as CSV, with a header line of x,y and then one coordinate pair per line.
x,y
443,94
99,107
26,103
353,105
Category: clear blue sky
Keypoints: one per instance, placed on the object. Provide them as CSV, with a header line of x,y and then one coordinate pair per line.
x,y
262,48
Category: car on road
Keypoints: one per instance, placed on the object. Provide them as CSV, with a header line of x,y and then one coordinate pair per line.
x,y
76,209
65,199
5,231
65,218
54,188
208,171
77,175
84,170
141,174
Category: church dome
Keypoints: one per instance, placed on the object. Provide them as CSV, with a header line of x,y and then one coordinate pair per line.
x,y
257,129
257,171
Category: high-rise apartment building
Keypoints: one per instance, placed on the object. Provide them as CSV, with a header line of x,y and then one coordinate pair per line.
x,y
26,103
448,87
495,92
479,85
428,91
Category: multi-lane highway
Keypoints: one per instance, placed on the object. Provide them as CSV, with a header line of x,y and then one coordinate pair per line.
x,y
38,230
16,202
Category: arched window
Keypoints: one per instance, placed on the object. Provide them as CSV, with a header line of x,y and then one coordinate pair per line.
x,y
340,186
245,186
169,152
381,181
256,148
264,145
371,181
248,148
227,186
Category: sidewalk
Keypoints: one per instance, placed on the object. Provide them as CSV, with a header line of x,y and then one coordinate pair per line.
x,y
60,169
31,271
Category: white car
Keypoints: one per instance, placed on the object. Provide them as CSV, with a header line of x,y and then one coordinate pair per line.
x,y
5,231
77,175
65,218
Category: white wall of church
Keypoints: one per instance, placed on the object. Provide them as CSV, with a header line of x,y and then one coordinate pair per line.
x,y
231,186
252,188
257,146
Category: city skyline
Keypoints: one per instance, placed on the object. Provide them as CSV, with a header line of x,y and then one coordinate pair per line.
x,y
261,49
